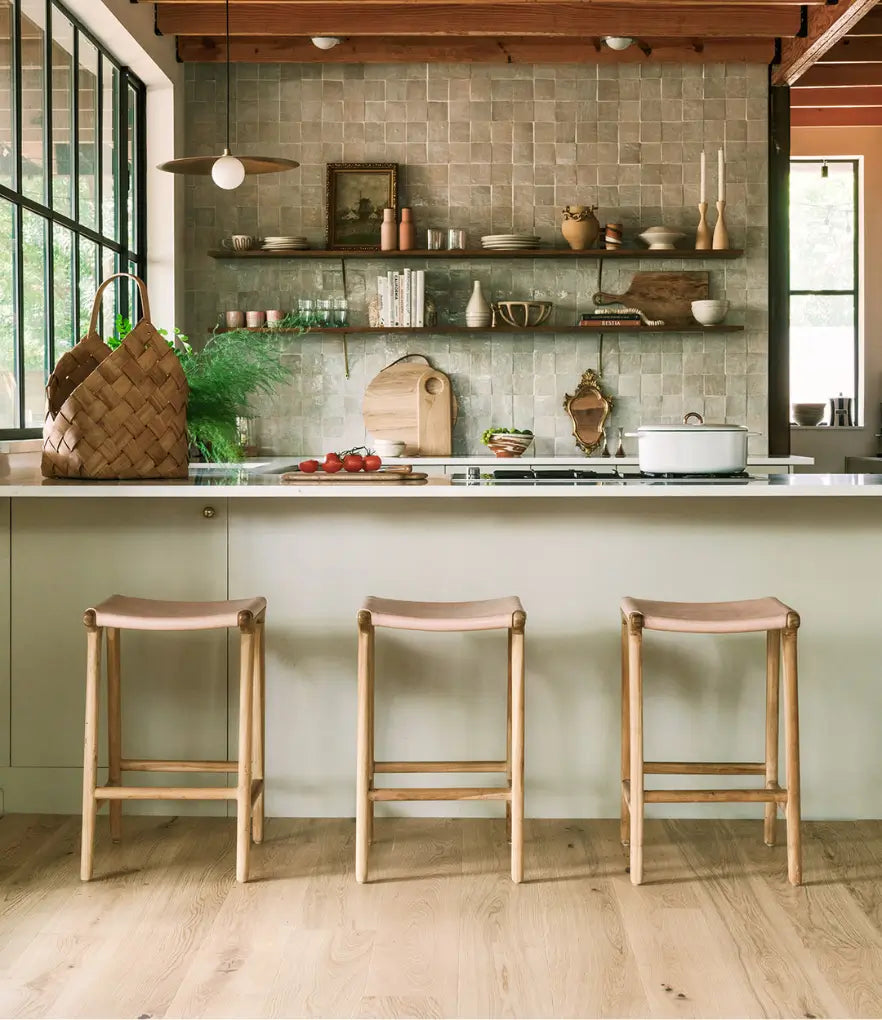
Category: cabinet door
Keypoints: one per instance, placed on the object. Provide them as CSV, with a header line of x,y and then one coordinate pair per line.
x,y
67,555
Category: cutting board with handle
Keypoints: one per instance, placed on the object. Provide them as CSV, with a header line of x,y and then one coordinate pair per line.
x,y
666,296
414,402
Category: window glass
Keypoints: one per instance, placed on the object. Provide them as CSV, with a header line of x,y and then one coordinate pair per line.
x,y
109,144
7,155
87,97
822,226
8,387
33,117
62,289
34,315
131,160
822,347
89,281
110,305
62,113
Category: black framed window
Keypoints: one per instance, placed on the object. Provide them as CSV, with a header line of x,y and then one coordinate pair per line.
x,y
72,191
824,280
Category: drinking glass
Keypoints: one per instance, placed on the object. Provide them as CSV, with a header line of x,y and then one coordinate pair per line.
x,y
434,239
323,312
341,311
306,310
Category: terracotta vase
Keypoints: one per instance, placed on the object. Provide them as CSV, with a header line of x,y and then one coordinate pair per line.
x,y
388,231
477,313
580,226
406,231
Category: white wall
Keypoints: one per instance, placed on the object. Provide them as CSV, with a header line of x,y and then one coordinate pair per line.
x,y
830,447
127,31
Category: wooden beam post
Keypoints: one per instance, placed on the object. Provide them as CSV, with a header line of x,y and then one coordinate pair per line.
x,y
826,26
779,271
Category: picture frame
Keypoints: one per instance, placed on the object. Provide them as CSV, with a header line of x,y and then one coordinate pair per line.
x,y
357,193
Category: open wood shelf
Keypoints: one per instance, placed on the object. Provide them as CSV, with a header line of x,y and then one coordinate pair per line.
x,y
479,253
462,330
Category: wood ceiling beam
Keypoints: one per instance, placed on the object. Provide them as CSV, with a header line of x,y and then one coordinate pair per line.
x,y
854,96
826,26
548,19
868,116
587,4
855,51
468,49
870,24
825,75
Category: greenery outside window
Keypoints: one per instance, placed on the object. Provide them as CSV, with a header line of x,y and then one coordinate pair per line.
x,y
824,277
72,145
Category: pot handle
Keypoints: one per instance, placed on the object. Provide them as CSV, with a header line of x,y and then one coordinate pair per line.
x,y
690,415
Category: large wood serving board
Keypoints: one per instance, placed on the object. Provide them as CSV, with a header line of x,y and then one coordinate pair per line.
x,y
666,296
357,477
413,402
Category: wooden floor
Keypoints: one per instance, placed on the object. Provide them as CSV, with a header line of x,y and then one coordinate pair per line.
x,y
441,931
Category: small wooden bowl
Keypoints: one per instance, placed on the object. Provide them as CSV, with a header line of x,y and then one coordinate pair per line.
x,y
524,314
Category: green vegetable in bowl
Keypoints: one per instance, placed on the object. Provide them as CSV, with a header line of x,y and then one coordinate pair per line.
x,y
491,432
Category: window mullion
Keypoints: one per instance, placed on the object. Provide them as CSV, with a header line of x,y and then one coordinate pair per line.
x,y
75,126
47,107
18,316
16,104
121,168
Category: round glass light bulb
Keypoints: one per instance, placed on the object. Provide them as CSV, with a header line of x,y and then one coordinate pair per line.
x,y
618,42
326,42
228,172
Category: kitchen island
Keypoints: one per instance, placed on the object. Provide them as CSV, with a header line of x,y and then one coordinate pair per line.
x,y
571,551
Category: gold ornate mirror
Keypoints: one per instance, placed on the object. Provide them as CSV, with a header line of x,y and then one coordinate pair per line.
x,y
588,407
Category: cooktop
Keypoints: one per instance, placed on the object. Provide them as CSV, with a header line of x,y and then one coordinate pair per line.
x,y
577,476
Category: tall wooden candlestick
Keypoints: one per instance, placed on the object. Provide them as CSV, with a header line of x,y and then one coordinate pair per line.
x,y
721,234
702,234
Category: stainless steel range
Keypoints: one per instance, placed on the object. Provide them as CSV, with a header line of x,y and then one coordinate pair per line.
x,y
577,476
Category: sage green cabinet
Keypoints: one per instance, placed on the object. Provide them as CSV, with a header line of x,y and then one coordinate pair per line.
x,y
70,553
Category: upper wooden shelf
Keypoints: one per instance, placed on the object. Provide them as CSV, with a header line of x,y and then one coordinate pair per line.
x,y
460,330
479,253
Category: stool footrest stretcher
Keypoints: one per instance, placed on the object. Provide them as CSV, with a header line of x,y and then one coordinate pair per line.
x,y
442,793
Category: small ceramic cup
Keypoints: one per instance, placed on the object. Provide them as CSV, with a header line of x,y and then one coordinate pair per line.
x,y
274,317
234,320
254,319
389,447
238,242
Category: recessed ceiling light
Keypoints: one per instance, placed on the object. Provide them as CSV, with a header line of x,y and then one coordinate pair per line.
x,y
326,42
617,42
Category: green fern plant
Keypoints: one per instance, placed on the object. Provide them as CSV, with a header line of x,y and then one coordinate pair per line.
x,y
224,377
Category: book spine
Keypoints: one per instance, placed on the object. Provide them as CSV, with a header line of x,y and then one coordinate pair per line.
x,y
390,308
405,299
421,298
381,304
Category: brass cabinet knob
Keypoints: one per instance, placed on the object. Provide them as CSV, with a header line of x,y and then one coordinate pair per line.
x,y
209,512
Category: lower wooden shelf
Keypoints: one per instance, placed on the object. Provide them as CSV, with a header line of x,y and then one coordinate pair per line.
x,y
462,330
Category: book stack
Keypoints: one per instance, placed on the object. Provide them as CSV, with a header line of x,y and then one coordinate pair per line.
x,y
402,298
610,318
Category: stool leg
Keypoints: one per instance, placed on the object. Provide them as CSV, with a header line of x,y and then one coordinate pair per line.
x,y
635,698
773,670
114,728
90,746
243,786
517,747
371,733
508,742
791,722
625,826
258,725
362,783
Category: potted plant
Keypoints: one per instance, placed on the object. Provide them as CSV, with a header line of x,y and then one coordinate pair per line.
x,y
223,376
507,442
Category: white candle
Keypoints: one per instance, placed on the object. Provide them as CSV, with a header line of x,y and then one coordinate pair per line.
x,y
722,176
702,188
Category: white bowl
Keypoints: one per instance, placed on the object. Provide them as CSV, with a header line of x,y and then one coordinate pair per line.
x,y
389,447
710,313
661,238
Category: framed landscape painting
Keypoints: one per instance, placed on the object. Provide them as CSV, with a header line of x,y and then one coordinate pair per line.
x,y
357,195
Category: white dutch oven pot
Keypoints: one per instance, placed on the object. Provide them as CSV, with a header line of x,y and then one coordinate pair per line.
x,y
692,448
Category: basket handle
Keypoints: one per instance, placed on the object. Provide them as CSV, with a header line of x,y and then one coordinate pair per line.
x,y
96,305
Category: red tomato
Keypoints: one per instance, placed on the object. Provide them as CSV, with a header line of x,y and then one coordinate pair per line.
x,y
353,462
332,456
372,462
309,466
332,466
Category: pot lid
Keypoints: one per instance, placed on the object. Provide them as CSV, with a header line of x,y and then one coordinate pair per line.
x,y
703,427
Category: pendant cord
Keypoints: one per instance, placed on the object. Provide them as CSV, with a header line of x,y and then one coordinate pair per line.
x,y
227,11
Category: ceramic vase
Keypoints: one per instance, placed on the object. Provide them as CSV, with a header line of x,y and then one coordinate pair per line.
x,y
406,231
580,227
477,313
388,231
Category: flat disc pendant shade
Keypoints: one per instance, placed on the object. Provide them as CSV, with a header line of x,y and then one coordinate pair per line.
x,y
201,165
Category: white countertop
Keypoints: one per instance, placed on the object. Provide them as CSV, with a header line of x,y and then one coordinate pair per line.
x,y
250,480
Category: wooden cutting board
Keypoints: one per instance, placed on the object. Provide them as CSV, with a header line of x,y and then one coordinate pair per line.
x,y
414,402
666,296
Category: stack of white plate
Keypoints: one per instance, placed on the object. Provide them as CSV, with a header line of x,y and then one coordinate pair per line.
x,y
281,243
510,241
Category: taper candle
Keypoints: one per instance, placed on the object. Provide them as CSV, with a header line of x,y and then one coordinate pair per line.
x,y
722,177
702,188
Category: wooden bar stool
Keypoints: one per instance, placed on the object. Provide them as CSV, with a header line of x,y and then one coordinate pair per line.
x,y
120,612
780,624
491,614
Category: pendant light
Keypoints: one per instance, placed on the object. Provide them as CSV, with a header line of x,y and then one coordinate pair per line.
x,y
227,171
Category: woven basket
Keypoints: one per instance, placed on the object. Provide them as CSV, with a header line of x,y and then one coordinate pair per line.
x,y
117,414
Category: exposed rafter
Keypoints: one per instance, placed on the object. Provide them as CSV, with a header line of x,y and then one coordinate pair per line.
x,y
826,27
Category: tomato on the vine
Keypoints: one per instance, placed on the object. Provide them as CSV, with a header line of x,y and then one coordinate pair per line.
x,y
353,462
332,456
309,466
332,466
372,462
